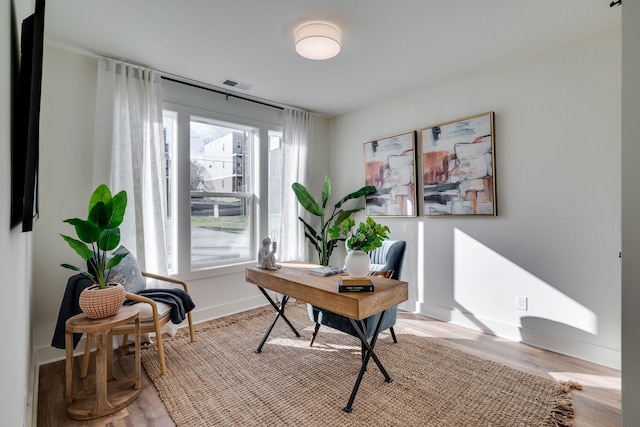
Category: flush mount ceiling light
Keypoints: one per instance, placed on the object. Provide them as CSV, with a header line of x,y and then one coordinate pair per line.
x,y
318,40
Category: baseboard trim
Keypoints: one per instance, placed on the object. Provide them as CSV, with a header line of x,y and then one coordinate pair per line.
x,y
560,344
32,395
215,312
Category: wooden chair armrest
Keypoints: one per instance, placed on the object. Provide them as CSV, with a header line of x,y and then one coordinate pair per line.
x,y
140,298
152,303
166,279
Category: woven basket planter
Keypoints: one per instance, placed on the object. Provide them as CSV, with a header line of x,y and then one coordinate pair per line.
x,y
98,303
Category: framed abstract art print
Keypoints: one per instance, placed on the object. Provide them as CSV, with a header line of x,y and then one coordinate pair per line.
x,y
390,167
458,167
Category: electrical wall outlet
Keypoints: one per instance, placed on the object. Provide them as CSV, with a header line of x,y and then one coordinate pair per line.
x,y
522,303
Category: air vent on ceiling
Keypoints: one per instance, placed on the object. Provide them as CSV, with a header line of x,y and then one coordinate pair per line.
x,y
236,84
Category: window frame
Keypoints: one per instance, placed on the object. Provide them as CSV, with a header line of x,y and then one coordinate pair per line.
x,y
180,204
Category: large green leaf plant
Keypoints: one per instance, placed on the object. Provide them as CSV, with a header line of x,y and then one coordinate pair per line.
x,y
321,238
99,234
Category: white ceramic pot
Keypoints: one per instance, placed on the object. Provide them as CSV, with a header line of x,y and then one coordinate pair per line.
x,y
357,263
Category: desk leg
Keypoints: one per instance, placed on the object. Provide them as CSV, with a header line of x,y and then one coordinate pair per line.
x,y
280,311
368,349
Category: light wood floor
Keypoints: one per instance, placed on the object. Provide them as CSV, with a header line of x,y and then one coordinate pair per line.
x,y
597,405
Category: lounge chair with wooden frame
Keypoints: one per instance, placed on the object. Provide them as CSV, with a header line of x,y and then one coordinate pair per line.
x,y
153,316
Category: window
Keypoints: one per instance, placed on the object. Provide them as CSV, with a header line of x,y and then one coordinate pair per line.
x,y
220,193
275,182
221,199
169,121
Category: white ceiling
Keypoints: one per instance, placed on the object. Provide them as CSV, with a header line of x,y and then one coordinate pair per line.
x,y
389,47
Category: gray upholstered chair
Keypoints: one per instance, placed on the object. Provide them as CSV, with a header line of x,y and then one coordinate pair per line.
x,y
387,261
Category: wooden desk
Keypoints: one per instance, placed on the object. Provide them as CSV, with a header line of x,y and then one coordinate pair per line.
x,y
110,394
293,280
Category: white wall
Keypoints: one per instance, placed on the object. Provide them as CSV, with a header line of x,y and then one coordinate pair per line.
x,y
66,159
17,370
556,239
630,217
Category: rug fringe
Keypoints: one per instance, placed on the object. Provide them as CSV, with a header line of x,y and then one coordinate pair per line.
x,y
571,385
562,414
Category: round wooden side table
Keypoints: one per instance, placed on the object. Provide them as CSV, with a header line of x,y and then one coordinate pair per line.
x,y
110,394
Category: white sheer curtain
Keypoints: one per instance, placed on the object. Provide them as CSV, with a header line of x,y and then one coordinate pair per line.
x,y
129,155
298,126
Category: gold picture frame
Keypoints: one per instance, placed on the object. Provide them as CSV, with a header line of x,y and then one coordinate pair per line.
x,y
457,164
390,166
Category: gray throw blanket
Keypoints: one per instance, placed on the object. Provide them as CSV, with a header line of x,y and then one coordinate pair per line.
x,y
68,308
180,301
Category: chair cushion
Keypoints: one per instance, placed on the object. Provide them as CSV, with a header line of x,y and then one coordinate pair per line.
x,y
127,273
146,312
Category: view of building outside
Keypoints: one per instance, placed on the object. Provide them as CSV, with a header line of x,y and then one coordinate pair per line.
x,y
219,186
221,167
220,204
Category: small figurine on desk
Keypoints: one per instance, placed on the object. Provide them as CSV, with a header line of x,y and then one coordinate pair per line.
x,y
267,257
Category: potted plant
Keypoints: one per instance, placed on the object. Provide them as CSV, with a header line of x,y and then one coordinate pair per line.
x,y
320,238
368,236
97,235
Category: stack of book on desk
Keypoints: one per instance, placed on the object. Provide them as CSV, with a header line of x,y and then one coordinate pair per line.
x,y
355,284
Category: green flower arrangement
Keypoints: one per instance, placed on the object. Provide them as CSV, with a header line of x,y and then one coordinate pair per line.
x,y
368,236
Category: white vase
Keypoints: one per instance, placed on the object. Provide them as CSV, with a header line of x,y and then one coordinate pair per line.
x,y
357,263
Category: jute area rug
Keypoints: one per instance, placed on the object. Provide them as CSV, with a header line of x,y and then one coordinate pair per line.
x,y
219,380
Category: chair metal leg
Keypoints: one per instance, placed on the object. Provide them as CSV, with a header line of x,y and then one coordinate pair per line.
x,y
393,335
315,333
363,347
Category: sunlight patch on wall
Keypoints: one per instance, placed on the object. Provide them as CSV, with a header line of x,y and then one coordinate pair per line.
x,y
486,285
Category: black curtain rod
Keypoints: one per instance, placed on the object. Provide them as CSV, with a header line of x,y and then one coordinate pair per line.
x,y
228,94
